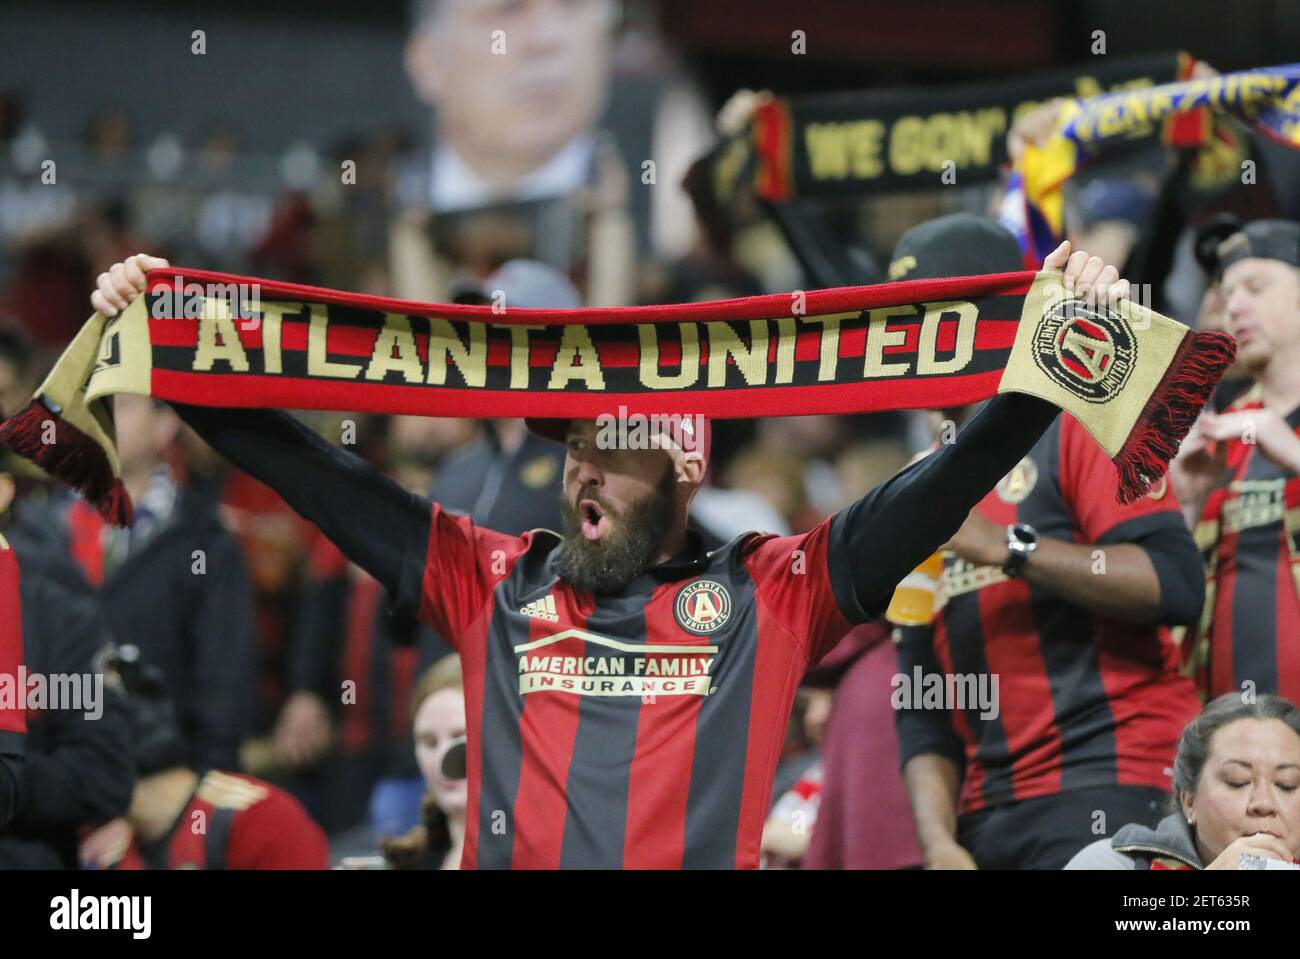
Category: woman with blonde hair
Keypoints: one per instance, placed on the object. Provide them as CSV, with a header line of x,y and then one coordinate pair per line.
x,y
438,715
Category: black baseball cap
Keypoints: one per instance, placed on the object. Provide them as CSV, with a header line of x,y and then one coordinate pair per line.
x,y
1265,239
960,244
1208,237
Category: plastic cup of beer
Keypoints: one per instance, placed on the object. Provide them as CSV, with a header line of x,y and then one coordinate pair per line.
x,y
913,601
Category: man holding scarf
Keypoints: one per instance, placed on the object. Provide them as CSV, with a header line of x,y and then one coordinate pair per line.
x,y
627,691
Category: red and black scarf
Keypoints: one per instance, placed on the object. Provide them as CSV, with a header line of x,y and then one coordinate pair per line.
x,y
1135,379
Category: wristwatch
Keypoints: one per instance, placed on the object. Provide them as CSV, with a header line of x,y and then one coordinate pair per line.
x,y
1022,539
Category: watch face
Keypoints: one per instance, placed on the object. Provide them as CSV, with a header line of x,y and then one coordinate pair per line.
x,y
1024,535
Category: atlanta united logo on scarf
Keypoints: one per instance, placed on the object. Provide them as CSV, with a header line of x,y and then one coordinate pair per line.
x,y
1088,351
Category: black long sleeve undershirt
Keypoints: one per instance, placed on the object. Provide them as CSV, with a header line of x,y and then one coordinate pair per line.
x,y
11,765
887,533
375,522
380,526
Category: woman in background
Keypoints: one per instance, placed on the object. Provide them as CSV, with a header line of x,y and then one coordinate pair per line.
x,y
1237,787
438,711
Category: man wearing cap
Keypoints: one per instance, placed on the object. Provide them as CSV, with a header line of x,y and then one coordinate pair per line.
x,y
627,691
1242,468
1058,592
1212,314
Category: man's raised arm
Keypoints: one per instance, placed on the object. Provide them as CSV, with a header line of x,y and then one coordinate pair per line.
x,y
887,533
375,522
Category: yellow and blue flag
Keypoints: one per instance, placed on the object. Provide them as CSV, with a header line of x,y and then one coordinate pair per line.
x,y
1267,99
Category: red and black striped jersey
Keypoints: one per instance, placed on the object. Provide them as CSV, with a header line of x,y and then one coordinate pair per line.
x,y
639,730
13,718
1254,547
1081,700
234,822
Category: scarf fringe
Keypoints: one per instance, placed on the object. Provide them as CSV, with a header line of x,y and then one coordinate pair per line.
x,y
74,459
1173,408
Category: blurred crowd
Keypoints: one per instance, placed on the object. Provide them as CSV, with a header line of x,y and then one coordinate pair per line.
x,y
279,683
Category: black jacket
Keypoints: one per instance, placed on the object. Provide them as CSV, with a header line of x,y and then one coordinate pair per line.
x,y
191,614
78,768
1171,844
11,766
1170,841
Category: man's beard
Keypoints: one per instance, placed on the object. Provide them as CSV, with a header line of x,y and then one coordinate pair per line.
x,y
607,565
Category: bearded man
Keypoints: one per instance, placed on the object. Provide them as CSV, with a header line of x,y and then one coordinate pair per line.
x,y
626,690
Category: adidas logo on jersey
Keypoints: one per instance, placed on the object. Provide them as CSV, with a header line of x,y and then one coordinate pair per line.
x,y
543,608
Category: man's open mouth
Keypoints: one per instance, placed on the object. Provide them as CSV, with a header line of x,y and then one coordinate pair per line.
x,y
595,524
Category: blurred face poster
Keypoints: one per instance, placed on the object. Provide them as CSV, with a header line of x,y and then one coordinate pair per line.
x,y
517,88
543,117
